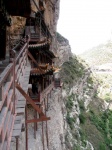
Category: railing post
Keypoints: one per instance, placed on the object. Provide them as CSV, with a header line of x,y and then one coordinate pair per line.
x,y
26,118
1,93
14,78
27,39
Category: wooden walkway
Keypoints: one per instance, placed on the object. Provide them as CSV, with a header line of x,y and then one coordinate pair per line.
x,y
10,100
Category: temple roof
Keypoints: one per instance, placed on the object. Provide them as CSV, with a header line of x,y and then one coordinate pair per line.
x,y
43,69
42,48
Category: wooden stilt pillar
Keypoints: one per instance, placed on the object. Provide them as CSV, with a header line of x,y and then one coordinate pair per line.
x,y
16,143
26,118
47,103
47,139
43,135
34,126
36,118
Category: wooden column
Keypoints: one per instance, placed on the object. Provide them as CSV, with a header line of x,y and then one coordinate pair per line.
x,y
34,126
14,78
47,138
36,118
43,135
47,102
16,143
26,118
43,130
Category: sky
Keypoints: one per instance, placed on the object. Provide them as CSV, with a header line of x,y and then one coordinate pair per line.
x,y
85,23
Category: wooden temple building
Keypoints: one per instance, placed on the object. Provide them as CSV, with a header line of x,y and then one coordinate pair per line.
x,y
26,74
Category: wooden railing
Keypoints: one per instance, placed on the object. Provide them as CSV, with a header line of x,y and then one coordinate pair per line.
x,y
8,97
46,91
41,95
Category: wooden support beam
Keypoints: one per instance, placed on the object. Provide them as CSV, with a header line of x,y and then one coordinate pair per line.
x,y
32,58
47,138
27,98
47,103
43,136
36,117
26,127
16,143
34,126
38,120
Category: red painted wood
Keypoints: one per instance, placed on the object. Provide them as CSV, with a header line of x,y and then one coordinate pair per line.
x,y
38,120
27,98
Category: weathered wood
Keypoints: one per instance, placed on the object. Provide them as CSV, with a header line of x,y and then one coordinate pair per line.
x,y
34,126
30,55
16,133
29,99
17,126
20,110
17,143
2,117
26,125
43,136
38,120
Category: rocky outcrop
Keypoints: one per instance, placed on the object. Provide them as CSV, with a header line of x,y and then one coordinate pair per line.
x,y
63,50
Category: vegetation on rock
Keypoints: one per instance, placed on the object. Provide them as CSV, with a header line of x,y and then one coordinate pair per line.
x,y
98,55
85,104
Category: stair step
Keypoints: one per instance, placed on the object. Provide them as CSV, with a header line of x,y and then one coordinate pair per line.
x,y
18,119
21,102
20,110
17,126
16,133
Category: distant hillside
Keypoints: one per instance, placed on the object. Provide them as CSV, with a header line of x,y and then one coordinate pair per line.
x,y
98,55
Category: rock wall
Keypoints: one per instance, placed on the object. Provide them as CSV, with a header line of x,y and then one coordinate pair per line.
x,y
14,33
63,50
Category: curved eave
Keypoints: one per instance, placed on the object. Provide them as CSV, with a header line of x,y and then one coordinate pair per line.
x,y
40,47
35,72
35,46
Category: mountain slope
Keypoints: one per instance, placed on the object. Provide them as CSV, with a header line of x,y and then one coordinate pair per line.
x,y
98,55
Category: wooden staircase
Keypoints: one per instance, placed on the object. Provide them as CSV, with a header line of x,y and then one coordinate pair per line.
x,y
10,108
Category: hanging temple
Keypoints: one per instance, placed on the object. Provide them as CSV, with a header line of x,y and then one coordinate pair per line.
x,y
27,72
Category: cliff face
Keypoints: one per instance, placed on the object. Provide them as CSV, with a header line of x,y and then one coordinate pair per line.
x,y
70,108
51,15
63,50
